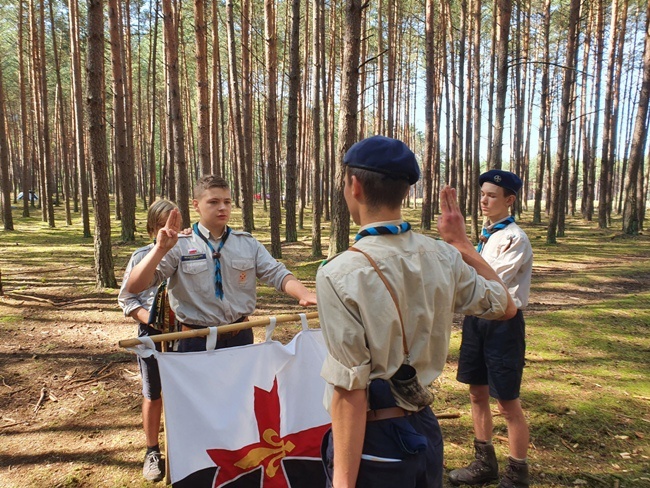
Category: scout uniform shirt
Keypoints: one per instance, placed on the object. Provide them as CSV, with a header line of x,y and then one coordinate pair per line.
x,y
132,301
359,319
509,253
191,272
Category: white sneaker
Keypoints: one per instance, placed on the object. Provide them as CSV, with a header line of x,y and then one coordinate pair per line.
x,y
154,467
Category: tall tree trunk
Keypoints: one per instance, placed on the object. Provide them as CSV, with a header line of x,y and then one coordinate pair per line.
x,y
476,152
606,166
170,19
246,161
105,276
217,127
544,114
427,182
4,165
559,171
79,126
291,233
235,95
316,249
151,157
125,175
65,163
271,125
203,109
503,31
347,122
634,198
24,115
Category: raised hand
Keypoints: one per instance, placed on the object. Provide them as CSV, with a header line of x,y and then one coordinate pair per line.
x,y
451,223
168,235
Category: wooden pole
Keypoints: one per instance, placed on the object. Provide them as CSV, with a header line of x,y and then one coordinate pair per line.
x,y
263,321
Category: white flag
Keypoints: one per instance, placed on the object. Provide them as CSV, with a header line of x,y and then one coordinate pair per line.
x,y
249,416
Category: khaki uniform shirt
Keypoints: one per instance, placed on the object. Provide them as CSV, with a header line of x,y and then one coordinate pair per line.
x,y
359,319
191,270
509,253
132,301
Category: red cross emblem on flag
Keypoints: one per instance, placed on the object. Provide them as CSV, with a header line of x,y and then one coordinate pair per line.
x,y
272,447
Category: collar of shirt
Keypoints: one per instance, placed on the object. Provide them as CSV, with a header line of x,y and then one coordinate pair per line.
x,y
204,230
383,222
492,224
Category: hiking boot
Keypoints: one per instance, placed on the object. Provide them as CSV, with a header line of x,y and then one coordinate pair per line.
x,y
516,475
482,470
154,467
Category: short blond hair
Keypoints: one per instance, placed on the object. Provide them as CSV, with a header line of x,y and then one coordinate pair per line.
x,y
158,211
209,181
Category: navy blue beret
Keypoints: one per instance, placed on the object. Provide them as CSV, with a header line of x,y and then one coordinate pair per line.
x,y
504,179
384,155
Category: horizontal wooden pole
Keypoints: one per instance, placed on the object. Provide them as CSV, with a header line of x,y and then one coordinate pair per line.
x,y
262,321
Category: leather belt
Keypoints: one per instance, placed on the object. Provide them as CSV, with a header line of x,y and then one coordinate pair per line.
x,y
221,335
388,413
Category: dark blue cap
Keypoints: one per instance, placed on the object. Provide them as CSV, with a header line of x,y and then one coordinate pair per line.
x,y
504,179
380,154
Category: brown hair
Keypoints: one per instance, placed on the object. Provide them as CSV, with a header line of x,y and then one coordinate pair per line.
x,y
158,211
207,182
380,190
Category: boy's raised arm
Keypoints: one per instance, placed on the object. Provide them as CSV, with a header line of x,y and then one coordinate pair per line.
x,y
451,226
142,274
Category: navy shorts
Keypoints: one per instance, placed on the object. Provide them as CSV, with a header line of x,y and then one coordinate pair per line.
x,y
149,367
195,344
390,457
492,352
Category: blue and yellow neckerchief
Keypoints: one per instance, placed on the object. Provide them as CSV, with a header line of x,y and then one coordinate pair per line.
x,y
485,233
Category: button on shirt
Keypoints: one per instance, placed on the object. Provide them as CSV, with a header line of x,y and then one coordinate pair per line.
x,y
359,319
132,301
190,269
509,253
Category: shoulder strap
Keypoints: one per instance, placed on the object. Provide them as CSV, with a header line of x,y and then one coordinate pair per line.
x,y
392,295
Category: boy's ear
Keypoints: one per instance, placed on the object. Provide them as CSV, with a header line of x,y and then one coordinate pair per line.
x,y
511,200
195,204
357,189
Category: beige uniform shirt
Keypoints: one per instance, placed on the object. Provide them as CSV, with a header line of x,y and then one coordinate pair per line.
x,y
359,319
132,301
191,270
509,253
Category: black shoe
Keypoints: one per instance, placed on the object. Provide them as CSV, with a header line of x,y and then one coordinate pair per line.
x,y
516,475
154,467
480,471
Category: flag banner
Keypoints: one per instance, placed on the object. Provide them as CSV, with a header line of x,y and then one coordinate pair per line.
x,y
249,416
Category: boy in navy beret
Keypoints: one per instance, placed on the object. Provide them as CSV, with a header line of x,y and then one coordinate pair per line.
x,y
492,352
382,435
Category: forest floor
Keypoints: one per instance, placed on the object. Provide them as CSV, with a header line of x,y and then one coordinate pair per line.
x,y
70,397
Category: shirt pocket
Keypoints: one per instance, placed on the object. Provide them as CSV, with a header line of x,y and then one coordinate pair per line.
x,y
194,267
244,272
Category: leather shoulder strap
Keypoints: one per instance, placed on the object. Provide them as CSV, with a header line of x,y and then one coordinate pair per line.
x,y
392,295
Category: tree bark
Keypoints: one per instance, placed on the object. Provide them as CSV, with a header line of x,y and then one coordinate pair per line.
x,y
559,172
271,126
503,31
316,248
104,274
347,122
291,233
203,109
124,164
4,165
634,198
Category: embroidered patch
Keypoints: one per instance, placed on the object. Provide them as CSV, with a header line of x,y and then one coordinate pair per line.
x,y
242,277
193,257
192,251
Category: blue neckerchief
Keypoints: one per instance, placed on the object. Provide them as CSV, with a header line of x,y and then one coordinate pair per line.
x,y
218,284
485,234
383,229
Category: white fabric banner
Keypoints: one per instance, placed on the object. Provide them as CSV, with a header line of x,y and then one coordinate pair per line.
x,y
246,416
